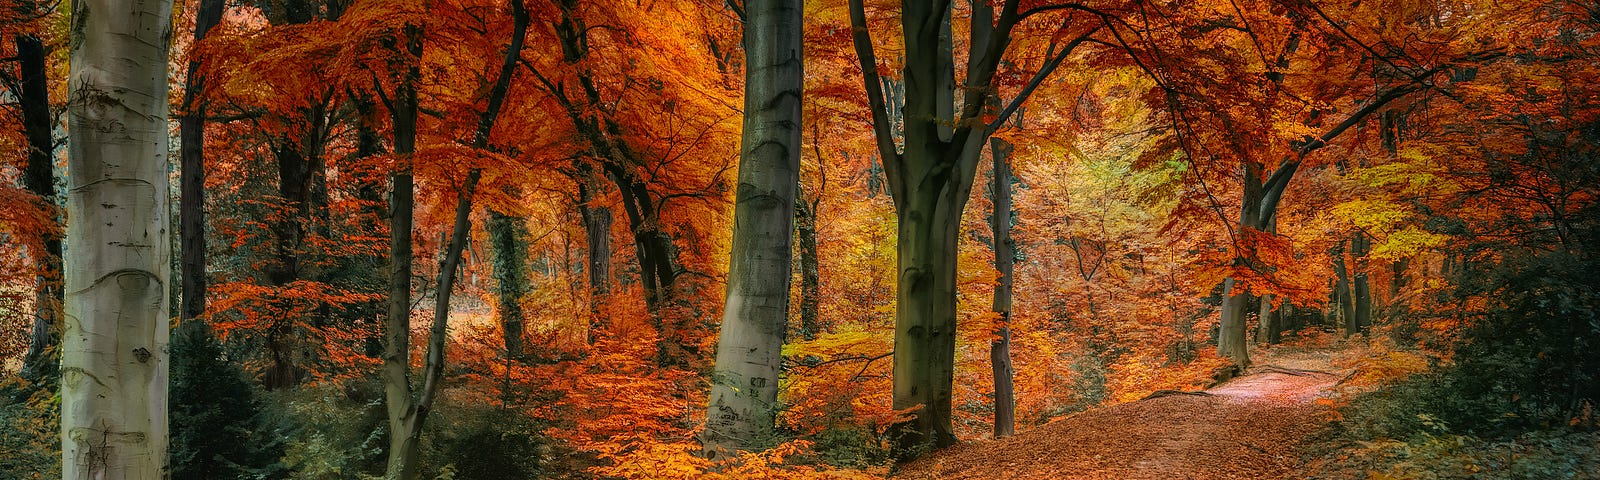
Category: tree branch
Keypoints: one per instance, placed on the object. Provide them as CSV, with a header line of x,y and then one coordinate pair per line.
x,y
861,36
1038,79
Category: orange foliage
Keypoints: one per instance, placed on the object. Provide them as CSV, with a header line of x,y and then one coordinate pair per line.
x,y
1128,163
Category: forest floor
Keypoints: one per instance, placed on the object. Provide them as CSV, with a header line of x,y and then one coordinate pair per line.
x,y
1252,426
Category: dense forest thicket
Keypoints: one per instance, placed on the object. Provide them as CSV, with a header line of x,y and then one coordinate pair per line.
x,y
490,239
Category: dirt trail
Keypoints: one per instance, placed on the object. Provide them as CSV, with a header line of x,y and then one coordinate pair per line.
x,y
1249,427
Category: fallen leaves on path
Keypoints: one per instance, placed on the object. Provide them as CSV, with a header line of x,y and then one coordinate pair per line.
x,y
1249,427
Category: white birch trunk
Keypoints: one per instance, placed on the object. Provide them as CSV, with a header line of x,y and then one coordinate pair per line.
x,y
114,346
744,388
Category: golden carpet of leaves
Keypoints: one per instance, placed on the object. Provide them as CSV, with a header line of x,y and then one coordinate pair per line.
x,y
1250,427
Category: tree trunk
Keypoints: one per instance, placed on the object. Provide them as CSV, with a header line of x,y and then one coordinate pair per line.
x,y
40,364
407,412
508,240
805,217
402,414
1362,289
653,247
930,183
1232,341
1397,285
925,320
192,176
1269,327
1341,291
1270,330
597,236
744,390
1005,403
114,361
299,164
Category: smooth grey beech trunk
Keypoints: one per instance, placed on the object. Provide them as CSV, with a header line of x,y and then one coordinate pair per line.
x,y
114,344
1232,339
744,388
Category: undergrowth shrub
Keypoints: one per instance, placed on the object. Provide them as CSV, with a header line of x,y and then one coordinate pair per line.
x,y
1516,402
336,432
30,431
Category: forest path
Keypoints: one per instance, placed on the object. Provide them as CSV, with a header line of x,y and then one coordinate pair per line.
x,y
1249,427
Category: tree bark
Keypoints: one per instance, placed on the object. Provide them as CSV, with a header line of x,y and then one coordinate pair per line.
x,y
300,166
192,176
407,412
652,246
1005,403
755,320
654,249
597,236
1232,341
1269,328
930,183
1341,291
805,217
403,415
1361,289
40,363
508,239
114,362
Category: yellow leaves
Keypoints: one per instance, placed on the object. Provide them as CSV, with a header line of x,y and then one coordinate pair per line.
x,y
646,458
1406,243
1384,365
1135,377
1373,215
841,378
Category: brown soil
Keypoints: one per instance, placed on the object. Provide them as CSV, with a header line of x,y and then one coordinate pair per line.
x,y
1249,427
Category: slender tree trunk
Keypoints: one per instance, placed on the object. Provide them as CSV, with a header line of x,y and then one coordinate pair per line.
x,y
805,217
744,390
299,163
402,413
407,412
1269,328
40,364
114,355
653,248
1397,285
1005,403
596,219
192,176
293,180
